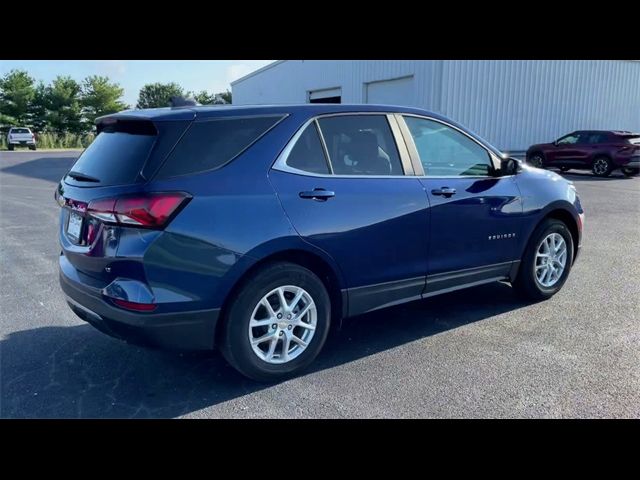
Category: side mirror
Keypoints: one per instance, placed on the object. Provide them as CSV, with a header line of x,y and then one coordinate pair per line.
x,y
509,166
555,143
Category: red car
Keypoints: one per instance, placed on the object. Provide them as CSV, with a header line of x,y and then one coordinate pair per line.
x,y
601,151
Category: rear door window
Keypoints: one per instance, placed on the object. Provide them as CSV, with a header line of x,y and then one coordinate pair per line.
x,y
213,143
116,156
360,145
596,138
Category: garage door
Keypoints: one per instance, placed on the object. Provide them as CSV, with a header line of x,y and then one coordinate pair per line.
x,y
399,91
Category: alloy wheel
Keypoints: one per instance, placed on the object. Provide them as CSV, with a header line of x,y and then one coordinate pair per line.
x,y
551,260
282,324
600,166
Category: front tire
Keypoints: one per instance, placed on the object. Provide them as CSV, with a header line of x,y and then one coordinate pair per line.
x,y
536,160
277,322
602,167
547,261
631,172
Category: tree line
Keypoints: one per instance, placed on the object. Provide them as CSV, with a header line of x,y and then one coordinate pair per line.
x,y
65,106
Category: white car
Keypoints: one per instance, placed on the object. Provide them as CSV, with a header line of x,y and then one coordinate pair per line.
x,y
21,136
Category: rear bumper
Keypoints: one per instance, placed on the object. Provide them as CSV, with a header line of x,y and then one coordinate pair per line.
x,y
190,330
22,142
633,163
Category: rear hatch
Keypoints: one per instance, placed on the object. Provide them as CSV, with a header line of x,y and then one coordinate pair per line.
x,y
105,207
20,135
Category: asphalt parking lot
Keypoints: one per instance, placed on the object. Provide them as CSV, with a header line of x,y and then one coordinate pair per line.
x,y
474,353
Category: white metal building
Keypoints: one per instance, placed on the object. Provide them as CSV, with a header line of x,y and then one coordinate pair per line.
x,y
511,103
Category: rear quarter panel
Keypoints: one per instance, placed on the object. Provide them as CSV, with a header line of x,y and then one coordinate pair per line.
x,y
234,220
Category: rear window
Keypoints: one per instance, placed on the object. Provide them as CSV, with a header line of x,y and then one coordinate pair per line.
x,y
117,154
211,144
19,130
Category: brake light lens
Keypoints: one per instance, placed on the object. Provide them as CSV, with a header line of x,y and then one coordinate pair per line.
x,y
137,307
152,210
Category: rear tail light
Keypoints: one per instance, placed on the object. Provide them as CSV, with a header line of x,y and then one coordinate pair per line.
x,y
152,210
629,149
137,307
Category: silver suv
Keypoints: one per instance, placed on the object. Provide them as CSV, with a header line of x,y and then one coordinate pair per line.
x,y
21,136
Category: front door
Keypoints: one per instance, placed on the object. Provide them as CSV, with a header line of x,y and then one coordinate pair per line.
x,y
475,217
569,150
343,186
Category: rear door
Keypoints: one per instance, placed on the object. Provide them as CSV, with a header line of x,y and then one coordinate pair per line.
x,y
349,189
476,217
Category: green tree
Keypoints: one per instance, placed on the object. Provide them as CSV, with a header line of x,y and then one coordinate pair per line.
x,y
16,92
100,97
204,97
38,108
63,105
154,95
226,96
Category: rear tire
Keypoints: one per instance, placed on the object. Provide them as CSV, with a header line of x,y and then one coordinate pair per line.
x,y
267,361
10,147
631,172
528,283
32,147
602,167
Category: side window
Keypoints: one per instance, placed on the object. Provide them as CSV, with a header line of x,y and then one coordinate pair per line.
x,y
211,144
445,151
570,139
308,153
360,145
597,138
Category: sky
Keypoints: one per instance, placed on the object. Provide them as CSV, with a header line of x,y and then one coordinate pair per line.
x,y
212,75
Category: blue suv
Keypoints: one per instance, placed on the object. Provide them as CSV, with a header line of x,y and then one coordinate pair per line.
x,y
253,228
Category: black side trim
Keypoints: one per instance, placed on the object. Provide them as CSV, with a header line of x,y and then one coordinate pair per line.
x,y
372,297
443,282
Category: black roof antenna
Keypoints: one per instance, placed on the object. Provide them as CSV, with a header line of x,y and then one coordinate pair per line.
x,y
179,101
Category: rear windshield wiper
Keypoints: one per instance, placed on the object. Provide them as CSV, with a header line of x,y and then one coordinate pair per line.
x,y
81,177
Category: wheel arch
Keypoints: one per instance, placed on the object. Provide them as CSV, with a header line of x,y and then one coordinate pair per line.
x,y
566,217
330,277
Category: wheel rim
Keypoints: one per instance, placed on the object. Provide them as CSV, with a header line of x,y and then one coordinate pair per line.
x,y
600,166
536,161
282,324
551,260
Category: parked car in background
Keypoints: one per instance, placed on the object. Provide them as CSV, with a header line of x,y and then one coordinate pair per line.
x,y
21,136
254,228
601,151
